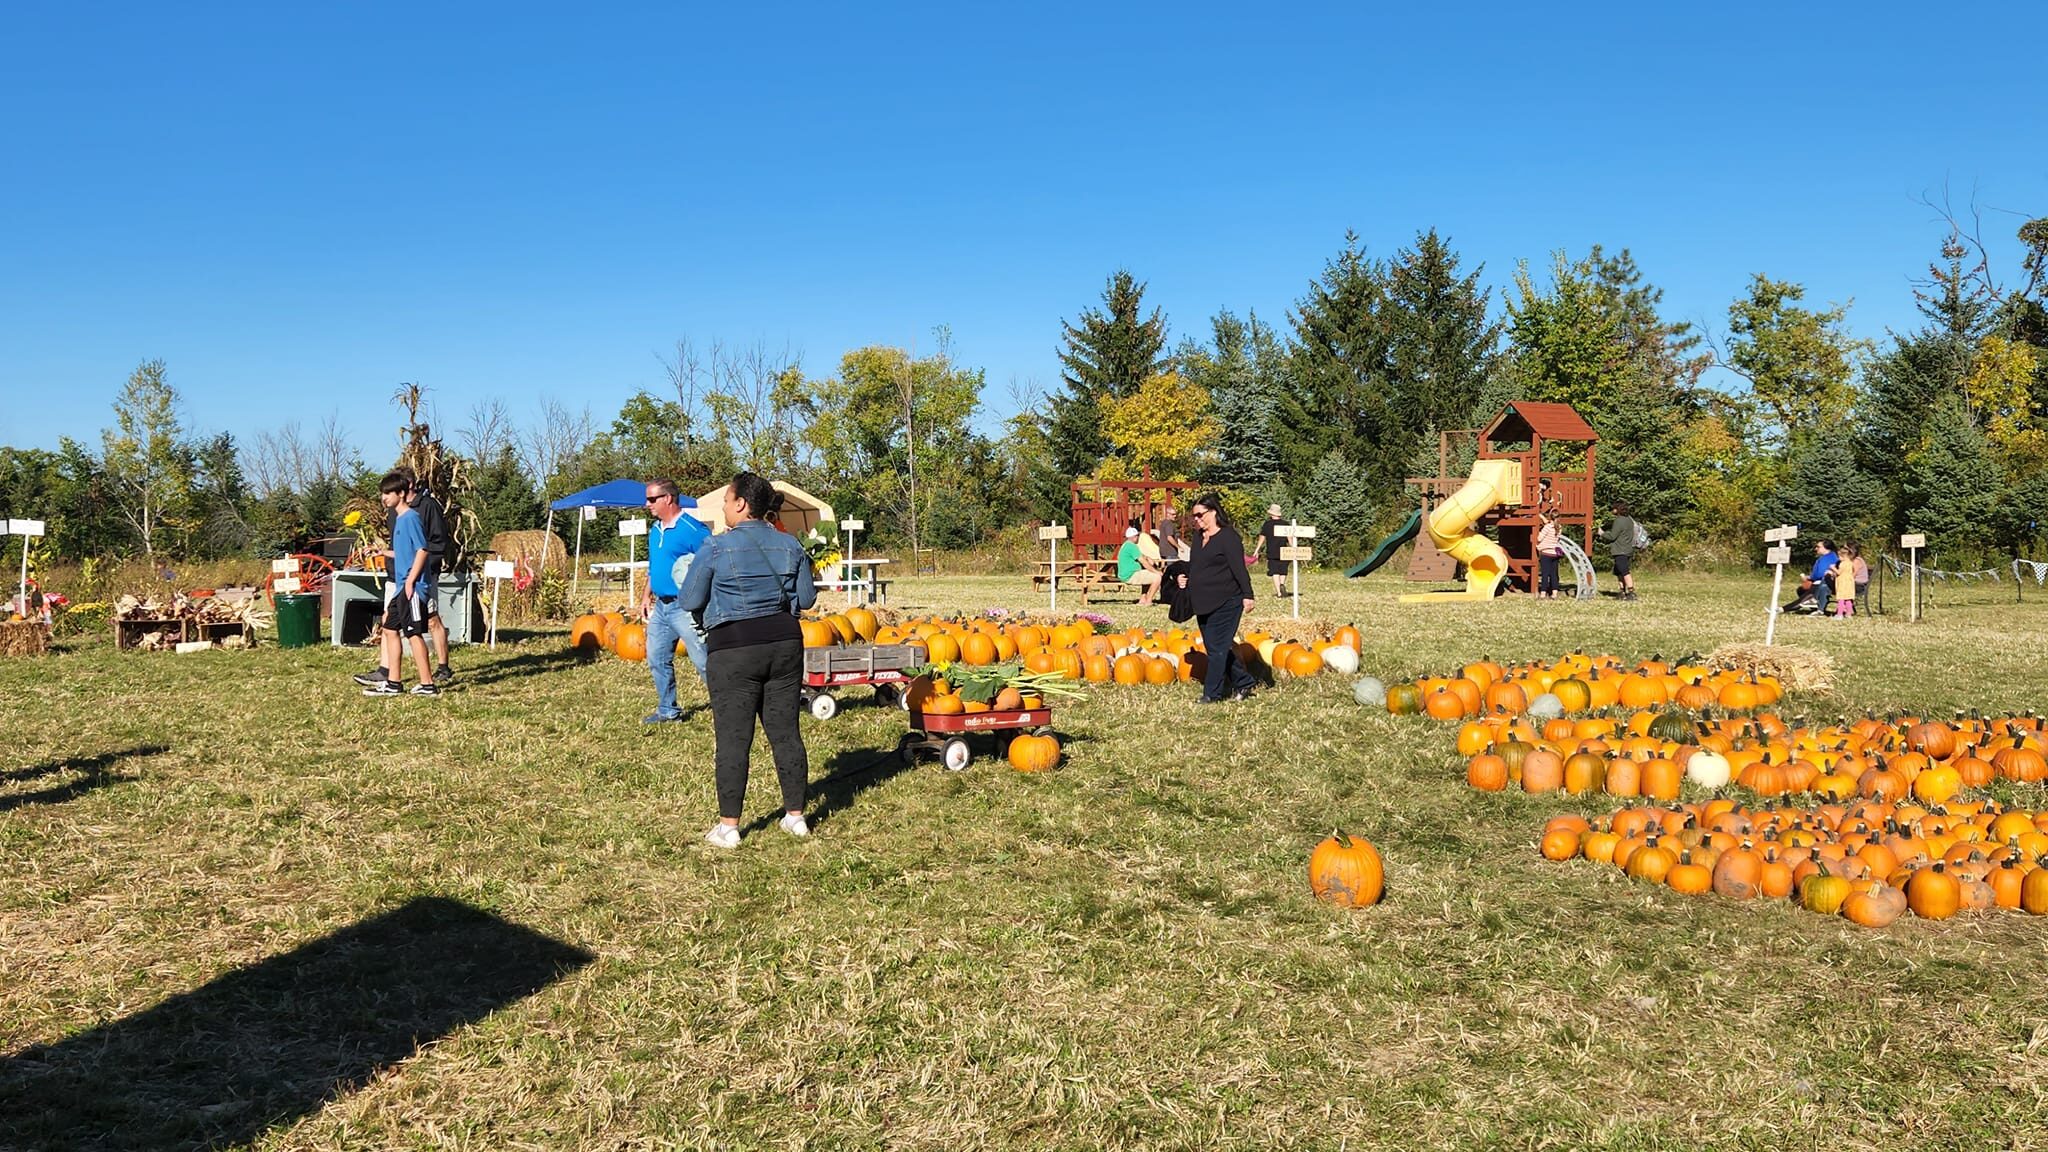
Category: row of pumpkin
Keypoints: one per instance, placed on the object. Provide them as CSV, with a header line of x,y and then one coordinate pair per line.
x,y
1870,860
1573,684
1653,753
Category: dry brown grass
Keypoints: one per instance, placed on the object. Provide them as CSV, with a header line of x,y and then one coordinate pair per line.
x,y
1118,955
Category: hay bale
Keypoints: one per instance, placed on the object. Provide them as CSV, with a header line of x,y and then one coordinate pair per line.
x,y
525,547
23,638
1800,669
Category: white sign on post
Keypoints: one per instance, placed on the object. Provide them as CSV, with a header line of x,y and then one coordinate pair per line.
x,y
286,566
1052,534
1295,554
286,584
497,572
1777,557
1913,542
27,530
24,527
590,511
632,530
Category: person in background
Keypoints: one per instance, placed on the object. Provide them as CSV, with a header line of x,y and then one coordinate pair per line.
x,y
1620,538
1171,546
1220,593
1133,568
1814,587
673,538
1844,579
745,589
1861,570
1549,549
1269,545
405,614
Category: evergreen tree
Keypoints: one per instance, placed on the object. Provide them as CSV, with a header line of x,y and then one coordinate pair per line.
x,y
1338,500
1951,488
1244,376
1441,344
503,497
1644,461
1107,356
1341,399
220,498
1825,492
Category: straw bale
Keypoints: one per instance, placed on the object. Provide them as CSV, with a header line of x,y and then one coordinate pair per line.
x,y
525,547
1802,669
23,638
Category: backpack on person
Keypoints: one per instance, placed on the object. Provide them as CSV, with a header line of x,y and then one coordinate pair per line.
x,y
1642,535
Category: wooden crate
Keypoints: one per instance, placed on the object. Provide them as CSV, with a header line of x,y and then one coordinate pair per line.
x,y
128,634
868,658
214,632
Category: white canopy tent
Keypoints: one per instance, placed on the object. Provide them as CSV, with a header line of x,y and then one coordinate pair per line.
x,y
801,511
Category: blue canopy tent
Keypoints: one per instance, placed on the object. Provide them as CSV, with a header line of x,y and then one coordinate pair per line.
x,y
610,494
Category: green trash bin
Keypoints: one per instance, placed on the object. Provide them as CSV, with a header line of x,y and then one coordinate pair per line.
x,y
298,620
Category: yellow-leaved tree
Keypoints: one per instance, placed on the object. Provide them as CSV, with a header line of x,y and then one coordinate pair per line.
x,y
2000,392
1168,426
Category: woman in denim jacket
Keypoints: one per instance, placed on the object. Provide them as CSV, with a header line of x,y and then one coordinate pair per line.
x,y
745,590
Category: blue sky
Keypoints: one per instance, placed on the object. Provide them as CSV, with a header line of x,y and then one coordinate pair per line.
x,y
299,206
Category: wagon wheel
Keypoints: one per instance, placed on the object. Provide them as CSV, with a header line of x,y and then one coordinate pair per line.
x,y
824,706
886,694
956,755
906,748
314,574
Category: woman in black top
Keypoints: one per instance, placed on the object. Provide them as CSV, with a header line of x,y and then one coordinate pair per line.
x,y
1220,591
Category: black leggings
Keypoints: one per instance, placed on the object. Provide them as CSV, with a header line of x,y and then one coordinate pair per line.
x,y
758,681
1547,566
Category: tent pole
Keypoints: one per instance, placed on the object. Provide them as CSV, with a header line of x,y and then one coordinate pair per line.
x,y
547,535
576,572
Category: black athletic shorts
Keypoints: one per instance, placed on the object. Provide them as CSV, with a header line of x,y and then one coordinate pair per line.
x,y
405,617
1621,564
430,590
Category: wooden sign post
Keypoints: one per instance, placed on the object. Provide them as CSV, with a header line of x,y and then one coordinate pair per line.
x,y
631,530
1778,555
1913,542
846,557
1052,534
27,530
1294,552
284,576
497,572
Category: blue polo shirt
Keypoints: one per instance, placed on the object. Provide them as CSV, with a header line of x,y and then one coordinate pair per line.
x,y
665,546
1822,565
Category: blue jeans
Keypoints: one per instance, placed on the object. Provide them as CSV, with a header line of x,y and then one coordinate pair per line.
x,y
1226,673
664,624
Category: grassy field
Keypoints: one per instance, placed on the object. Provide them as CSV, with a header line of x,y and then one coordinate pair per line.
x,y
487,921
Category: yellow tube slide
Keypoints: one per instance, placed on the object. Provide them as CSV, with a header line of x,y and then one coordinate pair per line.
x,y
1493,482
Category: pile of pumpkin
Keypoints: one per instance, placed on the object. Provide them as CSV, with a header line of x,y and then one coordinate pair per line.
x,y
611,632
1870,860
1572,684
1652,753
1075,651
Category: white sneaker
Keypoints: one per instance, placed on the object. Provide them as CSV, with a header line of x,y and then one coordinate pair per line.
x,y
723,835
795,824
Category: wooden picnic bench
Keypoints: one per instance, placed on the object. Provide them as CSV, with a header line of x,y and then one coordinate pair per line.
x,y
1089,578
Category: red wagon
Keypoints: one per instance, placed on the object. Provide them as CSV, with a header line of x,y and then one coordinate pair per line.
x,y
884,666
945,734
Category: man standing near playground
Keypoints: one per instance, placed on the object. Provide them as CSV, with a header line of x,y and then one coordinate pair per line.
x,y
672,542
1622,539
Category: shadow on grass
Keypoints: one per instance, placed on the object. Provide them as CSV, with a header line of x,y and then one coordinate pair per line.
x,y
530,664
847,775
92,773
268,1044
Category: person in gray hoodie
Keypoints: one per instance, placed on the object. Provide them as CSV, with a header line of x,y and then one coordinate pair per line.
x,y
1620,538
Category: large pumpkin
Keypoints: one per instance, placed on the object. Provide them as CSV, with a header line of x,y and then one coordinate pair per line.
x,y
632,642
818,634
1034,753
1346,871
586,635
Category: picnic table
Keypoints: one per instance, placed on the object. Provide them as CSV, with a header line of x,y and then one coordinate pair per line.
x,y
1088,577
859,576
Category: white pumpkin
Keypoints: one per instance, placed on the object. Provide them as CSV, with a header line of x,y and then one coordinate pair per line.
x,y
1545,707
1340,659
1707,768
1369,692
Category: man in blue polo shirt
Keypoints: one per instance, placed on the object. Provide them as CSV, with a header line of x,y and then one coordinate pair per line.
x,y
1813,591
672,542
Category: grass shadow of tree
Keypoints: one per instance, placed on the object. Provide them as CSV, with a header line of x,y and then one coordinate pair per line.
x,y
268,1044
93,773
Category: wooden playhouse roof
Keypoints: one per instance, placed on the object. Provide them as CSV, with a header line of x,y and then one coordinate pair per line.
x,y
1551,421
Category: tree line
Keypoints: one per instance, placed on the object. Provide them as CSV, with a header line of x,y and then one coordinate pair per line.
x,y
1939,429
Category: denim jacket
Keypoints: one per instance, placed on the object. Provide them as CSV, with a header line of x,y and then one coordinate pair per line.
x,y
752,570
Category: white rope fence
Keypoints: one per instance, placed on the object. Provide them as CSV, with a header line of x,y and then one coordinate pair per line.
x,y
2020,569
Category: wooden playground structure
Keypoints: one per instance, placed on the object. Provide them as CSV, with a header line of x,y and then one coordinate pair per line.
x,y
1100,510
1553,444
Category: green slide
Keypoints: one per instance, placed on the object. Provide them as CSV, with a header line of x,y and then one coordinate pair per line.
x,y
1385,548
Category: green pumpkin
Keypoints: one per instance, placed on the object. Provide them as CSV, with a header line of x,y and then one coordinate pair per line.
x,y
1673,725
